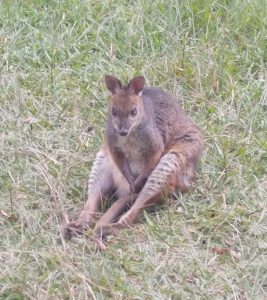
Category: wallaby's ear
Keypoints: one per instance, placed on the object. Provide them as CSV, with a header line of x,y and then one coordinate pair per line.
x,y
112,83
136,84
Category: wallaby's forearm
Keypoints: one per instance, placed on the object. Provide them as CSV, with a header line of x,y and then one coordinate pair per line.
x,y
150,162
123,165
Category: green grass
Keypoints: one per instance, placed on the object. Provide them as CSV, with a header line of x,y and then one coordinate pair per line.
x,y
53,56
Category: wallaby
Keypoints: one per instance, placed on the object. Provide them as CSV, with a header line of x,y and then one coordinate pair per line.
x,y
151,148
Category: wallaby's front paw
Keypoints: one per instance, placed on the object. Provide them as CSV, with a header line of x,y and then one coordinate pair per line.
x,y
138,184
68,230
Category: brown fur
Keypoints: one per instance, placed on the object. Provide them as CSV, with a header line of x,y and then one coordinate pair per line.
x,y
152,147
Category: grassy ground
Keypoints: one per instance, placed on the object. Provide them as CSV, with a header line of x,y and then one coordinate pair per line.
x,y
209,243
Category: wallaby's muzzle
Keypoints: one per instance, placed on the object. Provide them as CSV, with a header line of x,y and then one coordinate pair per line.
x,y
123,131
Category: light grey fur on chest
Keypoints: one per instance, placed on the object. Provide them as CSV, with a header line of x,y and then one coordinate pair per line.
x,y
132,149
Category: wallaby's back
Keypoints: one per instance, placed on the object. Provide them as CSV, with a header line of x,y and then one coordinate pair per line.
x,y
169,117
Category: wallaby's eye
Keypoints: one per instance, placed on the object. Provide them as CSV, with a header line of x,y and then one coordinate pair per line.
x,y
133,111
114,112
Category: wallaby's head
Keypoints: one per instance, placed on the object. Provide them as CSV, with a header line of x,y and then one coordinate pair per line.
x,y
125,106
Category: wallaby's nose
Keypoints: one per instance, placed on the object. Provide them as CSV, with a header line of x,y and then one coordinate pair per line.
x,y
123,132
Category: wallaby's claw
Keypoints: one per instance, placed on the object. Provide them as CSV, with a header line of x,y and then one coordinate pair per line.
x,y
70,229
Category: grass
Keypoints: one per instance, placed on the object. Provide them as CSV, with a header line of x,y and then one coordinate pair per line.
x,y
54,55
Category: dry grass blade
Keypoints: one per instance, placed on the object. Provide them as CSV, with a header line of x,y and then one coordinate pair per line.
x,y
207,244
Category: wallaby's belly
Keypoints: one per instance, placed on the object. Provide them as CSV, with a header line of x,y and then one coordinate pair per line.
x,y
133,153
136,166
135,160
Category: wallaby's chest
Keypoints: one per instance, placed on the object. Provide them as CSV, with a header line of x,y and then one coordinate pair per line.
x,y
133,150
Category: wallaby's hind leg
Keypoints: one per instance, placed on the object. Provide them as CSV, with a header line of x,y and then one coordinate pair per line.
x,y
176,169
152,192
100,183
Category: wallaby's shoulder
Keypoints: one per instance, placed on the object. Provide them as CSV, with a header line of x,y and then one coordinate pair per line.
x,y
158,93
167,110
160,100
